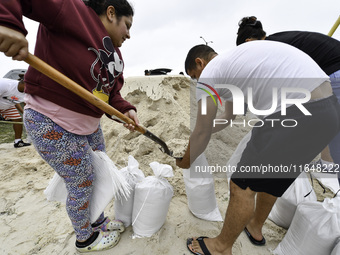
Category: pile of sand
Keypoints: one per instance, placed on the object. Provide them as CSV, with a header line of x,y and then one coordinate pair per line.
x,y
32,225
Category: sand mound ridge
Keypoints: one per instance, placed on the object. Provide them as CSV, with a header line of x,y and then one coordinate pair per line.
x,y
163,107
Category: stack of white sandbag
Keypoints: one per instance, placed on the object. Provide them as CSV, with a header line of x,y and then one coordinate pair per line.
x,y
123,207
315,229
152,200
200,190
108,183
284,208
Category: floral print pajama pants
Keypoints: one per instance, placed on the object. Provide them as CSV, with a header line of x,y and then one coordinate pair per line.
x,y
69,155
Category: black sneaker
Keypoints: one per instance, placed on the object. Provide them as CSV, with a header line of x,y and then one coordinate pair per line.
x,y
21,144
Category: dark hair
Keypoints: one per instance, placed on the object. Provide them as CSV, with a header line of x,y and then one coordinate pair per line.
x,y
249,27
122,7
21,77
199,51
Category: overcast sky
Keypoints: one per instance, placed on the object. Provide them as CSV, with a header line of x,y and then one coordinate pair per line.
x,y
164,31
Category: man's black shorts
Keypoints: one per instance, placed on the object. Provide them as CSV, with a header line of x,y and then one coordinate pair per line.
x,y
276,155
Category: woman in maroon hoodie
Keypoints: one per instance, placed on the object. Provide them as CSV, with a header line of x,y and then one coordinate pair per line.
x,y
81,40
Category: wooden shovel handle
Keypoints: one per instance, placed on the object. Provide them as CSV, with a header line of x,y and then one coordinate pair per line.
x,y
335,26
66,82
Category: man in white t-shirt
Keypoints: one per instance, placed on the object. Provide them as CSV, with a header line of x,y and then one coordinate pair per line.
x,y
298,116
11,97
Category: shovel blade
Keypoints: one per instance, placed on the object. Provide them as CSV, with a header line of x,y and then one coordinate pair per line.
x,y
164,148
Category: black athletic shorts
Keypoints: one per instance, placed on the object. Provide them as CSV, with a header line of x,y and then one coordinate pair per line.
x,y
276,154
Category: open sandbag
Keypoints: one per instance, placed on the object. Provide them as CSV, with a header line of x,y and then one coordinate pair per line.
x,y
123,207
56,189
284,208
236,156
152,200
328,180
314,230
200,190
108,183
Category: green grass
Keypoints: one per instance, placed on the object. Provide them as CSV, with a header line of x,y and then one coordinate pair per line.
x,y
7,133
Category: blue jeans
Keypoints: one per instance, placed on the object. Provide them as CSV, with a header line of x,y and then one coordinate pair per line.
x,y
334,145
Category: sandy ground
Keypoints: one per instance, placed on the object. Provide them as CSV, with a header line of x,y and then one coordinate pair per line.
x,y
32,225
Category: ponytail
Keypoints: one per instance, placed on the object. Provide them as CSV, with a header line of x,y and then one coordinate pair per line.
x,y
249,27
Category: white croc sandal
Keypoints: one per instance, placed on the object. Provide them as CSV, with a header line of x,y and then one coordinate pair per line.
x,y
110,225
104,241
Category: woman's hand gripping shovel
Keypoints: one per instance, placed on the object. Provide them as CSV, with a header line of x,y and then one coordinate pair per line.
x,y
66,82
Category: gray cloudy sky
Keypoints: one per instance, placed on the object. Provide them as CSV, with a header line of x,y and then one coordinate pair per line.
x,y
164,31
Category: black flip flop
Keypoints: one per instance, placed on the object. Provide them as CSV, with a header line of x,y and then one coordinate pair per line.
x,y
253,240
202,245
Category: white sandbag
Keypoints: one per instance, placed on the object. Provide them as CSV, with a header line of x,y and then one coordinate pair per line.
x,y
123,207
236,157
56,189
108,183
200,190
284,208
237,154
314,230
152,200
336,250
